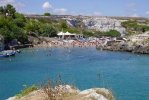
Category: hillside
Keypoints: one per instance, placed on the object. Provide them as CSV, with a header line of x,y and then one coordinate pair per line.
x,y
17,28
97,23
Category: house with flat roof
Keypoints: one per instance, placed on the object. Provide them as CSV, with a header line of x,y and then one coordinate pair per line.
x,y
68,35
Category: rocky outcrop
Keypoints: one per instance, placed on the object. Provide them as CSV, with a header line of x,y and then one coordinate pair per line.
x,y
126,46
71,93
96,94
104,24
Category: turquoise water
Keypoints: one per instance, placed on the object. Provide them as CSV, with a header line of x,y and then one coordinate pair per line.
x,y
125,73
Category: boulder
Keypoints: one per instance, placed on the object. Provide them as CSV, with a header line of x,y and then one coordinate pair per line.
x,y
96,94
68,92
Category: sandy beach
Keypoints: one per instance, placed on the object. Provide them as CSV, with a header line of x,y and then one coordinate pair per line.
x,y
68,43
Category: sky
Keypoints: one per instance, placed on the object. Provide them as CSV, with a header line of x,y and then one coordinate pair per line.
x,y
130,8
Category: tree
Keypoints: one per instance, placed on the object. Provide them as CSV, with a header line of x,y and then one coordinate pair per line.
x,y
88,33
48,30
32,26
19,20
10,10
6,33
3,21
1,10
7,10
112,33
64,25
10,30
47,14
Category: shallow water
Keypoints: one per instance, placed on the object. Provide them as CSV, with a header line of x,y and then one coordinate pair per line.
x,y
125,73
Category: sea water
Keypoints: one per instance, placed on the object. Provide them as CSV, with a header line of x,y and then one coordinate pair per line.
x,y
126,74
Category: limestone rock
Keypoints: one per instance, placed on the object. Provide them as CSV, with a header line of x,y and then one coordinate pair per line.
x,y
96,94
70,93
104,24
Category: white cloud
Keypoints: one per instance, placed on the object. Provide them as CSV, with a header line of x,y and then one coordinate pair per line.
x,y
47,6
147,13
4,2
60,11
132,5
96,13
16,4
134,15
131,9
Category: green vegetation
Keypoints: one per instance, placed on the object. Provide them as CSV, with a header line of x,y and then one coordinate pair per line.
x,y
7,10
41,27
47,30
112,33
11,28
65,28
11,24
133,27
16,26
47,14
88,33
27,90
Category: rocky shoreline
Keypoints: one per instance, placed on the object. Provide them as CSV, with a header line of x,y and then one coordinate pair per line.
x,y
67,92
139,49
140,45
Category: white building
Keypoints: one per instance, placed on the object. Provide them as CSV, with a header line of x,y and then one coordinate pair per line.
x,y
68,35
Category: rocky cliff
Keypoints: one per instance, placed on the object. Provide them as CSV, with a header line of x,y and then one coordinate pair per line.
x,y
102,24
97,23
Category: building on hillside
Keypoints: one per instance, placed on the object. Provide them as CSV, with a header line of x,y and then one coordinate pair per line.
x,y
68,35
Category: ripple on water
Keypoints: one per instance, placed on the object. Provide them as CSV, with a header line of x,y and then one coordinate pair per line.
x,y
125,73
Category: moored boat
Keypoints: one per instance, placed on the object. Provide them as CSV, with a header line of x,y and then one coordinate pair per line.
x,y
7,53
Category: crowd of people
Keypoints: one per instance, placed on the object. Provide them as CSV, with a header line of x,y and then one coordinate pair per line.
x,y
70,43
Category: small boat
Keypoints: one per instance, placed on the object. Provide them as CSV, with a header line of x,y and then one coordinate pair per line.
x,y
7,53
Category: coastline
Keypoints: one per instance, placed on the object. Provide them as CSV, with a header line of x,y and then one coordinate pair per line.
x,y
66,92
104,43
137,49
123,46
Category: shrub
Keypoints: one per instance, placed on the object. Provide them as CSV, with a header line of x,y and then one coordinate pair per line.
x,y
47,14
53,90
27,90
88,33
135,26
112,33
